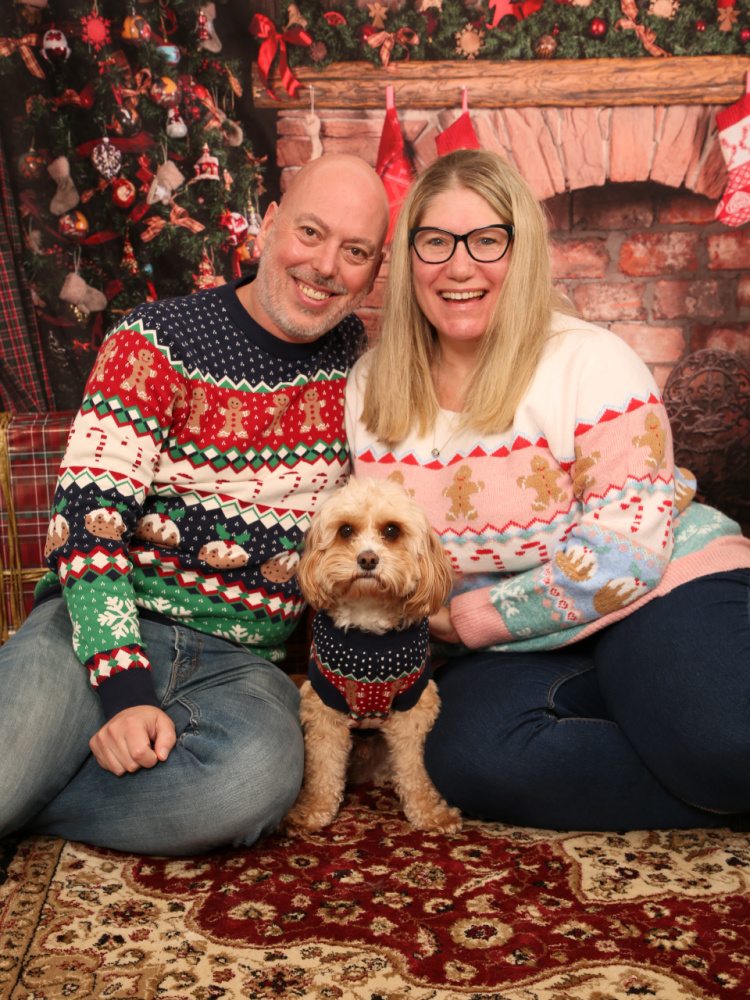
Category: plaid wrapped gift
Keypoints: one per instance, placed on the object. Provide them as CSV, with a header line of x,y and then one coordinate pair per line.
x,y
31,449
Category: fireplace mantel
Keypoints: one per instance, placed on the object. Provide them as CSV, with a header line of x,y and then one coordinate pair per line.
x,y
712,80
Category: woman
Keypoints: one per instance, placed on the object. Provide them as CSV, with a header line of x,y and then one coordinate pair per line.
x,y
597,639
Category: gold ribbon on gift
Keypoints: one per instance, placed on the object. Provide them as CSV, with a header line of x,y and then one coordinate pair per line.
x,y
177,217
646,36
23,45
386,41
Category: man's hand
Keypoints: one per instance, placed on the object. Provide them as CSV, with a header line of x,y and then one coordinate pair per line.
x,y
441,627
136,737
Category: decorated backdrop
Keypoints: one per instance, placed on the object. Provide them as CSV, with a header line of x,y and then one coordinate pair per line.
x,y
129,157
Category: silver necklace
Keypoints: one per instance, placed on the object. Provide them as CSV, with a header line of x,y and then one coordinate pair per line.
x,y
435,450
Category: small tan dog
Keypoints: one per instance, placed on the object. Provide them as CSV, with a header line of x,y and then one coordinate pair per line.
x,y
373,570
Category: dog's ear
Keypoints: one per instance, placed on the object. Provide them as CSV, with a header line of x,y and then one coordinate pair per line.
x,y
308,570
436,580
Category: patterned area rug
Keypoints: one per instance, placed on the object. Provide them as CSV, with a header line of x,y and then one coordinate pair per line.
x,y
374,911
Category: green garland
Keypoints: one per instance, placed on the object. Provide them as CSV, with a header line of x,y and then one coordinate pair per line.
x,y
692,31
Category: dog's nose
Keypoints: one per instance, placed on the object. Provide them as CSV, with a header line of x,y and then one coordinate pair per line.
x,y
367,560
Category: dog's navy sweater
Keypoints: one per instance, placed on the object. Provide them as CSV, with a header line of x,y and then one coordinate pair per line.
x,y
366,675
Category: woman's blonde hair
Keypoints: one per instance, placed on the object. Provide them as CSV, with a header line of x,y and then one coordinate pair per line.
x,y
400,393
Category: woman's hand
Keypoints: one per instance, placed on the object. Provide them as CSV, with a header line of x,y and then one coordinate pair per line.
x,y
441,627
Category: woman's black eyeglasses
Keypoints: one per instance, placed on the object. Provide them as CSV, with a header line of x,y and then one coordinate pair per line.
x,y
436,246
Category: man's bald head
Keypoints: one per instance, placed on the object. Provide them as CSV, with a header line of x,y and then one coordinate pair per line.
x,y
321,248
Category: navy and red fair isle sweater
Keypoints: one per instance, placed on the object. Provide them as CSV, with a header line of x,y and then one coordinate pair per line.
x,y
366,675
202,448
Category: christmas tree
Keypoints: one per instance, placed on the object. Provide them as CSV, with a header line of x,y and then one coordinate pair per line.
x,y
134,178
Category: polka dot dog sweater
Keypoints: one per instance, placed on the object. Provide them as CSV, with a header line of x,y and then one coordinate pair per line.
x,y
366,675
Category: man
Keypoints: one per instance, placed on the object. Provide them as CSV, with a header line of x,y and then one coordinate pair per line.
x,y
210,431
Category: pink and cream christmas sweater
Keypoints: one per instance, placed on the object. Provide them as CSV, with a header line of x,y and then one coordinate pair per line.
x,y
573,516
202,448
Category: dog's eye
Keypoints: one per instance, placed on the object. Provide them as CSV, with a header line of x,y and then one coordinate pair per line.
x,y
391,532
346,531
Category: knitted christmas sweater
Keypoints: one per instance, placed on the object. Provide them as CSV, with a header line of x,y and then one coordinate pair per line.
x,y
571,518
202,448
366,675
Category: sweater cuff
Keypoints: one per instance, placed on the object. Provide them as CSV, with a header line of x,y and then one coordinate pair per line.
x,y
477,621
126,689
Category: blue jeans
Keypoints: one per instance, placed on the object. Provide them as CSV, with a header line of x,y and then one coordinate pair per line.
x,y
232,776
645,726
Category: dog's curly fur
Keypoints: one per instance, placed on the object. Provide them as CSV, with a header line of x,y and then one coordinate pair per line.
x,y
373,562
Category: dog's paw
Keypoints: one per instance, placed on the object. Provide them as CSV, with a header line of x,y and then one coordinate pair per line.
x,y
439,819
302,821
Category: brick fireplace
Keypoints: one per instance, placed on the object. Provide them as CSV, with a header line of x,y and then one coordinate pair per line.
x,y
628,165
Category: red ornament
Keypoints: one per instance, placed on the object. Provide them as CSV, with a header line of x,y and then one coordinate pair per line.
x,y
237,226
95,29
556,30
745,36
74,225
31,165
123,192
166,92
597,27
700,27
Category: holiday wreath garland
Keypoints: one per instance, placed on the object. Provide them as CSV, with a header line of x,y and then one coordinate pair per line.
x,y
320,32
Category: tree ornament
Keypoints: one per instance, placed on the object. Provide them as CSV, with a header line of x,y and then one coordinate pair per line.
x,y
206,167
166,92
597,27
294,18
170,52
127,261
136,29
727,15
123,192
73,225
700,27
205,277
126,122
81,296
237,227
176,127
166,181
745,36
318,51
254,221
545,47
66,197
664,8
470,41
107,159
95,29
207,37
55,48
31,165
378,12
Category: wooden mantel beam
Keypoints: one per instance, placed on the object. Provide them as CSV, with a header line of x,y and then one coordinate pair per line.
x,y
527,83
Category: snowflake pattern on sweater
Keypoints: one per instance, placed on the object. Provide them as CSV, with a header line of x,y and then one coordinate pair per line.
x,y
573,516
201,450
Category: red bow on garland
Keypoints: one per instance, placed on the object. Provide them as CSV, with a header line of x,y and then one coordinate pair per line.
x,y
271,40
23,45
646,36
387,40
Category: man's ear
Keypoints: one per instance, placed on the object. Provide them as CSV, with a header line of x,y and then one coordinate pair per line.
x,y
266,224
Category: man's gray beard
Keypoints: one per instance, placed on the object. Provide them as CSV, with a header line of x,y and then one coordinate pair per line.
x,y
268,289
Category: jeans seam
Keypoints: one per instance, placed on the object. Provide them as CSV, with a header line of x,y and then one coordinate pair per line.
x,y
182,668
